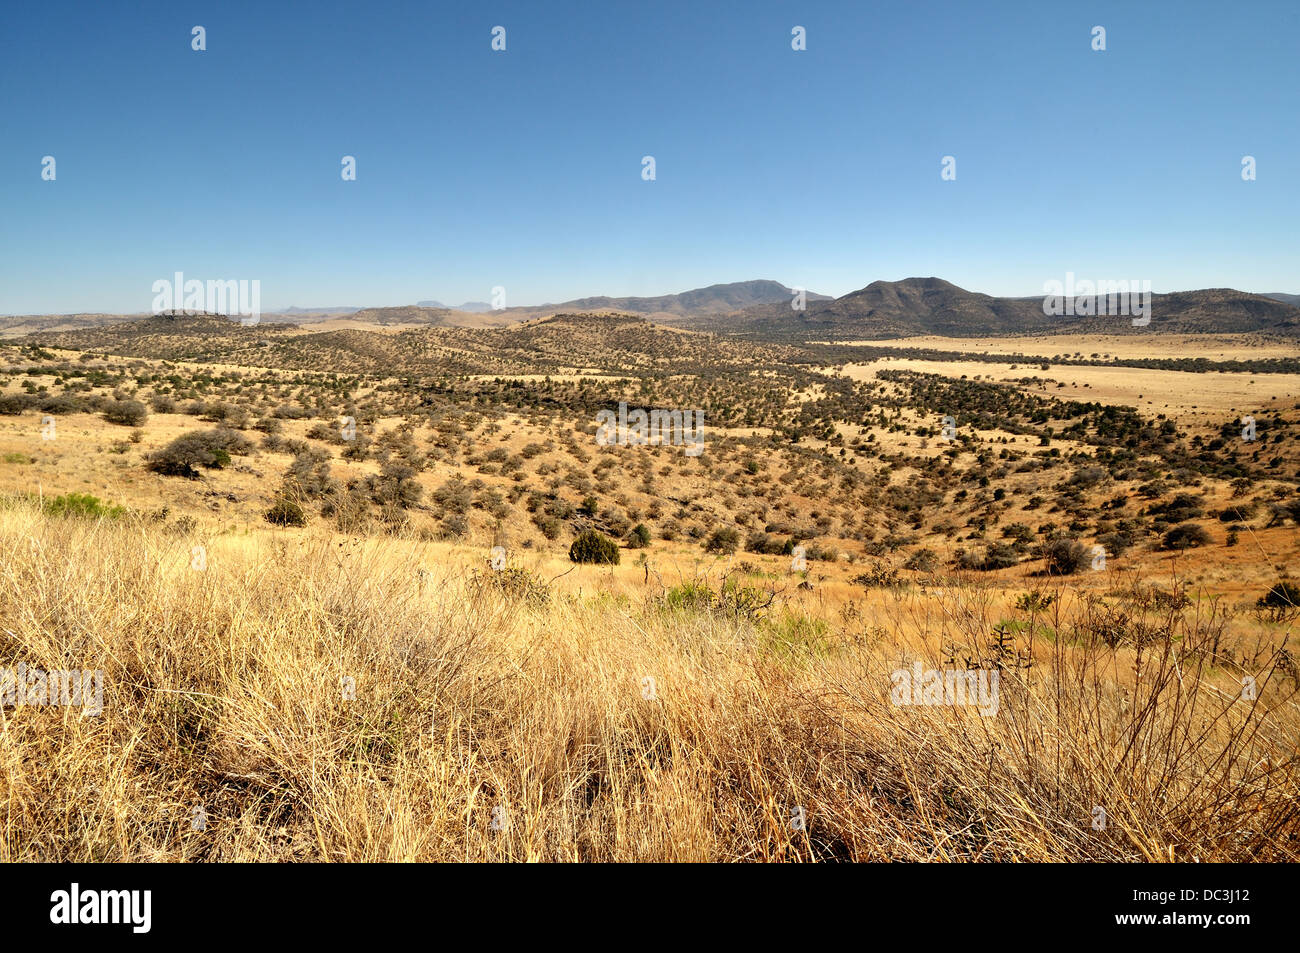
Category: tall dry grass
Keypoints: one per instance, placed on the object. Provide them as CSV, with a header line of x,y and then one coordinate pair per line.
x,y
224,688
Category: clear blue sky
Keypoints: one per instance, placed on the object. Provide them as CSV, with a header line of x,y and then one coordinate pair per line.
x,y
523,169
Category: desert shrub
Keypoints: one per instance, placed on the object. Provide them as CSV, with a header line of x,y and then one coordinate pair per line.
x,y
13,404
454,495
515,584
688,596
61,404
878,577
1186,536
357,448
130,413
594,547
548,526
639,538
83,505
285,512
999,556
615,522
1034,601
923,560
1282,601
395,485
208,449
454,525
1116,543
731,601
163,404
1183,507
1238,512
725,540
1062,556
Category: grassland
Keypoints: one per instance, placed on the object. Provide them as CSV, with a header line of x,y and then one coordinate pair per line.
x,y
367,687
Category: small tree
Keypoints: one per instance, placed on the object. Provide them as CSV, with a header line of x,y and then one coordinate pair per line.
x,y
594,547
210,449
639,538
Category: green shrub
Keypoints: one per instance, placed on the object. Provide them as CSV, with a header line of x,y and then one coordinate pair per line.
x,y
594,547
724,541
639,538
82,504
285,513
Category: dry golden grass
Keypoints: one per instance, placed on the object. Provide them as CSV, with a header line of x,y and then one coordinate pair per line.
x,y
224,688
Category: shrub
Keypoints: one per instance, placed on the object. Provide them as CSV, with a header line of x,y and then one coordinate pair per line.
x,y
1281,601
60,404
210,449
549,526
1061,557
1186,536
724,541
162,404
594,547
14,404
517,585
82,504
999,556
1182,507
639,538
923,560
129,413
285,513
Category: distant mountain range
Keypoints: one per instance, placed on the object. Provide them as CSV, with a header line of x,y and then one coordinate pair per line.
x,y
475,307
724,298
761,309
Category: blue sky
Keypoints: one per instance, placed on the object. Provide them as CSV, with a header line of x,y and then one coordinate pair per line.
x,y
522,169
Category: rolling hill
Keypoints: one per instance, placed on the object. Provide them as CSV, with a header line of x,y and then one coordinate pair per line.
x,y
917,306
